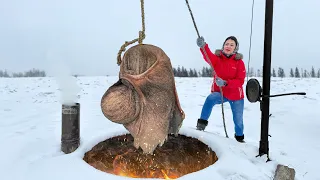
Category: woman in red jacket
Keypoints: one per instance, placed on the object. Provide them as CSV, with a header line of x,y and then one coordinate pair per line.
x,y
230,75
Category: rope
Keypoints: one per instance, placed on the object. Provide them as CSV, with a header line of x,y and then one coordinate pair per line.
x,y
141,37
250,40
213,71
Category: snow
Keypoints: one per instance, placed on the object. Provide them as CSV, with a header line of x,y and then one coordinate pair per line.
x,y
30,130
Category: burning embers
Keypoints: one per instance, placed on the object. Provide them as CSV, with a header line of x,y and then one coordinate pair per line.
x,y
178,156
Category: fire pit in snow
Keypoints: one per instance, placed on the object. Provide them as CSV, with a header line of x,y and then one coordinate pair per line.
x,y
145,101
178,156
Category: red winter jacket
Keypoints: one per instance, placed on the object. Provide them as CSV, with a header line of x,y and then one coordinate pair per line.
x,y
232,70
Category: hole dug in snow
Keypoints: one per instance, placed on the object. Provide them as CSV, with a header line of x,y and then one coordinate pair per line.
x,y
178,156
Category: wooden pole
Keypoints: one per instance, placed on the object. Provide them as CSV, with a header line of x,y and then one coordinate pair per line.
x,y
265,104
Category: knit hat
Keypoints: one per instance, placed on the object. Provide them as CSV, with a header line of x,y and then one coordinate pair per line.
x,y
235,40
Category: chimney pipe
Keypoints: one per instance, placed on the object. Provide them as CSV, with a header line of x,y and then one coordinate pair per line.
x,y
70,134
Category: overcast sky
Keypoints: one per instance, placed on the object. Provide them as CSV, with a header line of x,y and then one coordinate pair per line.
x,y
85,36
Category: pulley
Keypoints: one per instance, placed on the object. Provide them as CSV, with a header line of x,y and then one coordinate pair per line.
x,y
254,91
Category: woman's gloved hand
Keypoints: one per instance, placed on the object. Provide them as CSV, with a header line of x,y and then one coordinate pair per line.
x,y
220,82
200,42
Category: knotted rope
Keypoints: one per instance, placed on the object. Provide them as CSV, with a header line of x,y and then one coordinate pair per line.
x,y
141,37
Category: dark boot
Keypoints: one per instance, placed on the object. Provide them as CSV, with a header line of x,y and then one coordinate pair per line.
x,y
202,124
239,138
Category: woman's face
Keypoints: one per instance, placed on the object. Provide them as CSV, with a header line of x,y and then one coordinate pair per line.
x,y
229,46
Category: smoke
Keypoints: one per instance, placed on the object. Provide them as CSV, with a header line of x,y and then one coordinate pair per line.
x,y
67,83
69,89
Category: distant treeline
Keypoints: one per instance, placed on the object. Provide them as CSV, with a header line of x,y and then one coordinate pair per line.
x,y
183,72
280,72
31,73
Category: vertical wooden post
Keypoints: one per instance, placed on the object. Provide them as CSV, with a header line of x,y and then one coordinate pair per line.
x,y
265,104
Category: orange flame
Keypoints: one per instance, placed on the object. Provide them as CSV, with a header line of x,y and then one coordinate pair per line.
x,y
134,169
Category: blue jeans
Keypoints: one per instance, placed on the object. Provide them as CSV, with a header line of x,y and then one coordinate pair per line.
x,y
236,108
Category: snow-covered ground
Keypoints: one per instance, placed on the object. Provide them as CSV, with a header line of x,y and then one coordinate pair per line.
x,y
30,129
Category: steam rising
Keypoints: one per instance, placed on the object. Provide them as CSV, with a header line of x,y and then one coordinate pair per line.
x,y
67,83
69,89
